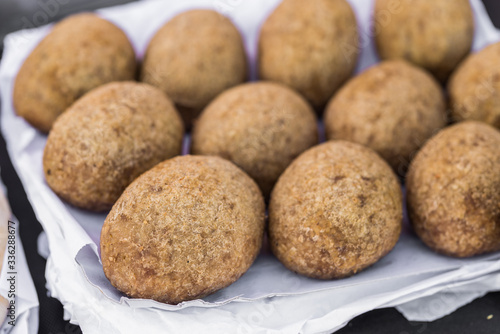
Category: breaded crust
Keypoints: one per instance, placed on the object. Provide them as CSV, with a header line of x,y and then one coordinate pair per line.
x,y
453,190
311,46
475,87
433,34
193,58
336,210
261,127
392,107
186,228
106,139
81,52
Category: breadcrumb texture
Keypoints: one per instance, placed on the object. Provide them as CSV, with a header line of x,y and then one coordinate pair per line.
x,y
310,46
453,190
475,87
106,139
336,210
393,108
193,58
80,53
261,127
186,228
433,34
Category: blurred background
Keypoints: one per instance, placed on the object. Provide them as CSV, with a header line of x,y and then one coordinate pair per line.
x,y
25,14
22,14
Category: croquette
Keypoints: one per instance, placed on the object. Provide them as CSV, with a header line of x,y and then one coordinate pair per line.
x,y
184,229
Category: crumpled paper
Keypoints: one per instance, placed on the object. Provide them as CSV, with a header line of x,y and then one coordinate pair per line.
x,y
26,300
268,298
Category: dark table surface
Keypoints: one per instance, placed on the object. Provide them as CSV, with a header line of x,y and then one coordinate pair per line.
x,y
18,14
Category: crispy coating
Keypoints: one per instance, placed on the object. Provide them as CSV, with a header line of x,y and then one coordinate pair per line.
x,y
106,139
81,52
453,190
336,210
186,228
433,34
393,108
193,58
261,127
310,46
475,87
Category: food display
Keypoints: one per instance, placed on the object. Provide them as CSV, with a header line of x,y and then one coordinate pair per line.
x,y
82,52
393,108
193,58
475,87
186,228
336,210
453,190
183,230
106,139
311,46
261,127
433,34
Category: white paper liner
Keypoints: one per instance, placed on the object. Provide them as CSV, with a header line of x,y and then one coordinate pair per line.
x,y
26,300
266,297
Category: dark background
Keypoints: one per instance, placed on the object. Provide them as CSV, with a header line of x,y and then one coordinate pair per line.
x,y
19,14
